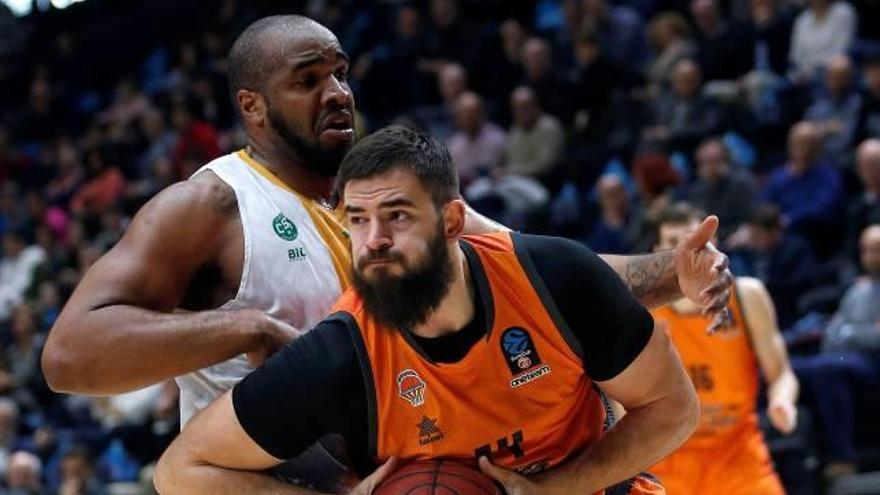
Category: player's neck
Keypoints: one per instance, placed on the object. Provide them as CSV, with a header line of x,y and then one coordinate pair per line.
x,y
456,309
685,306
291,172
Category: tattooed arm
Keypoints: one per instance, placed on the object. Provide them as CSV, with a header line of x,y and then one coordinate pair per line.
x,y
695,269
650,277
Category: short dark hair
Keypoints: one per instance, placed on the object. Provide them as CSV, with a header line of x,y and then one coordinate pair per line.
x,y
398,146
766,217
680,213
248,61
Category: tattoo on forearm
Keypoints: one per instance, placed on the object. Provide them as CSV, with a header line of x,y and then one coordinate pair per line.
x,y
651,278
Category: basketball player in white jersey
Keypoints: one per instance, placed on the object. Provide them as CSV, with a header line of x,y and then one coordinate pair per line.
x,y
214,273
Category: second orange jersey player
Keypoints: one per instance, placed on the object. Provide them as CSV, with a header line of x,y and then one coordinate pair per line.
x,y
727,453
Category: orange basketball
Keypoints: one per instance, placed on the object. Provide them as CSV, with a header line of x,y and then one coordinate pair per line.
x,y
437,477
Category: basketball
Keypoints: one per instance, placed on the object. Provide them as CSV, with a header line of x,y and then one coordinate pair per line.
x,y
437,477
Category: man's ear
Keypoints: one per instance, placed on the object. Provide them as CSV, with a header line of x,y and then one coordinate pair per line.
x,y
453,218
252,106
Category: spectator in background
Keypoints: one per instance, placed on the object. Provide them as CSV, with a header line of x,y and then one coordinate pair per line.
x,y
608,233
769,34
597,79
23,359
128,106
439,120
478,145
452,37
864,210
807,191
668,34
782,260
722,188
103,186
683,117
825,29
197,141
837,114
78,474
40,120
506,65
160,140
869,120
656,181
18,266
848,367
24,476
9,425
620,31
719,43
69,174
553,90
536,138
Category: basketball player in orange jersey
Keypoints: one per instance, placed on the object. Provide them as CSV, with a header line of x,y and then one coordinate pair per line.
x,y
727,453
494,346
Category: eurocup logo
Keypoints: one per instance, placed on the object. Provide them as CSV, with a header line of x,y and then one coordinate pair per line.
x,y
411,387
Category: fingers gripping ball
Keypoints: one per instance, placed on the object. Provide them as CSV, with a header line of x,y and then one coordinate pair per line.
x,y
437,477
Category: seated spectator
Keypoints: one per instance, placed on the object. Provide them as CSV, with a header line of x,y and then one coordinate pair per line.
x,y
769,35
719,43
620,32
24,476
869,120
69,176
197,141
807,191
78,474
608,233
848,365
439,120
597,79
837,113
656,181
536,138
553,90
722,188
864,210
824,29
783,260
9,425
104,185
18,265
668,35
683,117
478,145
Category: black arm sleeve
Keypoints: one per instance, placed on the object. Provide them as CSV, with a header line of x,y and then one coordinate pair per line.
x,y
611,326
311,387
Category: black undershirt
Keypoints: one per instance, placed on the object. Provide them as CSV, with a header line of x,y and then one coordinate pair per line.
x,y
315,386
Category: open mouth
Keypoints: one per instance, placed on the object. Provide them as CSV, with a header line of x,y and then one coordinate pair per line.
x,y
338,121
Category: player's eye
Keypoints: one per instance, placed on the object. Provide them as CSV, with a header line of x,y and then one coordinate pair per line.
x,y
356,220
399,216
308,81
342,74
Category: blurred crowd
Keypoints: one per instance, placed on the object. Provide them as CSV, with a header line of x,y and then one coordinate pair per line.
x,y
581,118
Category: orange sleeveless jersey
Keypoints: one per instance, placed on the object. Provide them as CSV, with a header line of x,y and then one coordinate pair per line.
x,y
520,396
722,366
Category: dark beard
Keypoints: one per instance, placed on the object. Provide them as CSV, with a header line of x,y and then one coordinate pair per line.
x,y
314,158
406,301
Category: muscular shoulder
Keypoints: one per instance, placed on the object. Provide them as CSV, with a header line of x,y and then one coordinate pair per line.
x,y
205,193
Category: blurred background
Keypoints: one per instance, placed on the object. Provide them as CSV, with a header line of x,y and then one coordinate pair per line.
x,y
579,118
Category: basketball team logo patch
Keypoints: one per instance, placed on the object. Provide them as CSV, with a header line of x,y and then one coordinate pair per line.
x,y
521,357
411,387
284,228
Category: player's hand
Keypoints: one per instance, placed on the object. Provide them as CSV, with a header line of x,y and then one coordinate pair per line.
x,y
271,334
368,484
513,483
703,273
783,416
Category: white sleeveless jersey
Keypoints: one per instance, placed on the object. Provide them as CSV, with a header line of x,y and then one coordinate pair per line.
x,y
296,265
